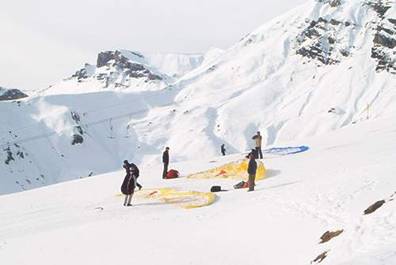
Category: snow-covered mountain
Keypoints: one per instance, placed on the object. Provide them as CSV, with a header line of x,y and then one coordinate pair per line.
x,y
11,94
173,64
325,65
123,70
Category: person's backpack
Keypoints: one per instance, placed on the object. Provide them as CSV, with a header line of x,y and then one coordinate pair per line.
x,y
215,189
135,170
241,185
172,174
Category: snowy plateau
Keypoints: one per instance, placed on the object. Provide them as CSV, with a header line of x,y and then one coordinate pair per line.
x,y
322,76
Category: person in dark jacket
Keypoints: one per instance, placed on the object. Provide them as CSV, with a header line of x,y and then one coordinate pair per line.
x,y
252,168
258,140
135,173
165,160
129,184
223,150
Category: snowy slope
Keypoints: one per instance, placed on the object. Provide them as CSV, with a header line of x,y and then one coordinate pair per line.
x,y
323,66
123,70
174,64
288,76
324,189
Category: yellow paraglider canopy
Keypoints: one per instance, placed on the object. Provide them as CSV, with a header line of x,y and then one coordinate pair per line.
x,y
233,170
183,199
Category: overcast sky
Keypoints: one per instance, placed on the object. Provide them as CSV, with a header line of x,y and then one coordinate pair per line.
x,y
43,41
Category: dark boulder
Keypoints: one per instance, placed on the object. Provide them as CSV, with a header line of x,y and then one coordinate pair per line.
x,y
77,139
372,208
320,257
328,235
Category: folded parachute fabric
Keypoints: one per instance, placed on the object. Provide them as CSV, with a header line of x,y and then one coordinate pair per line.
x,y
233,170
183,199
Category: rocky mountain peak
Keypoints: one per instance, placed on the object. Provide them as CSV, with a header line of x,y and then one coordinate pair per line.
x,y
117,58
118,69
11,94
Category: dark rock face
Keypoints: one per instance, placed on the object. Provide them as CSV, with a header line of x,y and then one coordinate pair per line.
x,y
320,258
374,207
119,67
384,42
9,156
116,70
332,3
104,58
379,6
328,235
81,74
11,94
77,139
318,41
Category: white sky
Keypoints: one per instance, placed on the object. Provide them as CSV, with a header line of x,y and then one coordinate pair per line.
x,y
43,41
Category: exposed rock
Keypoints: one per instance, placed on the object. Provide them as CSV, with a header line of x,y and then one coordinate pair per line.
x,y
75,116
374,207
77,139
79,129
154,77
384,42
327,236
379,6
334,3
104,58
123,66
320,258
9,156
318,41
81,74
11,94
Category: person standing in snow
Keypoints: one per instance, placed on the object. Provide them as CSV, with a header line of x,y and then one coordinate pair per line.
x,y
129,183
252,168
258,139
223,150
135,173
165,160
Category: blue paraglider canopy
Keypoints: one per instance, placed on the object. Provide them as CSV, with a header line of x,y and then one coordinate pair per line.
x,y
286,150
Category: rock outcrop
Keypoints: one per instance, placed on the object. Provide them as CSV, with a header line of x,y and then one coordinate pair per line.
x,y
11,94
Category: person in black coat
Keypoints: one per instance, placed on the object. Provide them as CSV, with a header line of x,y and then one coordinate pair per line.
x,y
252,168
165,160
223,150
129,184
135,173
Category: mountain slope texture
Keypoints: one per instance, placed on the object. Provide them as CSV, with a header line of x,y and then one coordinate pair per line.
x,y
322,66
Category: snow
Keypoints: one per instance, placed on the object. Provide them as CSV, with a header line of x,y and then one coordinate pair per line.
x,y
281,222
174,64
333,102
260,83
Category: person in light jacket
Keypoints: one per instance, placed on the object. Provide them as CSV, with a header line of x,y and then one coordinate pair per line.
x,y
258,139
